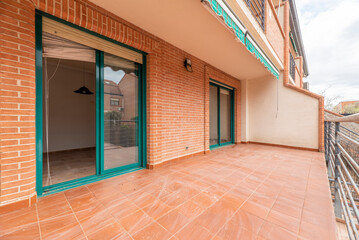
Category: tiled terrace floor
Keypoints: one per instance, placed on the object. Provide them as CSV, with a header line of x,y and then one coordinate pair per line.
x,y
239,192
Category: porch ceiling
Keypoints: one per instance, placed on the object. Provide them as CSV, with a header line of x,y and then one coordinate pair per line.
x,y
188,25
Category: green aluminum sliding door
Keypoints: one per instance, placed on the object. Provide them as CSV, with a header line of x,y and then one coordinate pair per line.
x,y
120,104
221,115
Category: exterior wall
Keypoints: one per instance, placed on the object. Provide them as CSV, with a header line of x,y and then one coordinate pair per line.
x,y
294,124
17,103
287,83
177,101
274,31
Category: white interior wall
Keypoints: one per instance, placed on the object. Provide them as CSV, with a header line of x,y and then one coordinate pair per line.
x,y
295,123
72,116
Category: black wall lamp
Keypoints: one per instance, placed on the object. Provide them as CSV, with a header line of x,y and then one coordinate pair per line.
x,y
188,65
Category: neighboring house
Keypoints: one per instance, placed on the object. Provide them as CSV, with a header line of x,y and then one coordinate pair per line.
x,y
198,75
113,98
347,107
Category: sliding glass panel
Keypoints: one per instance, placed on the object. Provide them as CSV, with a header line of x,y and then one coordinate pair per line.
x,y
225,115
69,110
213,115
120,112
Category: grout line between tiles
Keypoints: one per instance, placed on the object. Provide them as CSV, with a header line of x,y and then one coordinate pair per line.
x,y
76,217
110,213
246,201
38,221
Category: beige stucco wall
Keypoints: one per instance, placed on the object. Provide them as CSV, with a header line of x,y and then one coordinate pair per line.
x,y
295,123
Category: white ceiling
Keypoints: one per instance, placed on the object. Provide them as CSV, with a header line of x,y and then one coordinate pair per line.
x,y
188,25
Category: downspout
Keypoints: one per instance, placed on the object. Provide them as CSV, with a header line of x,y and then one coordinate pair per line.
x,y
286,43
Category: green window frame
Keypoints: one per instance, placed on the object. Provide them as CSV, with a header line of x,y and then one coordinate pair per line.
x,y
220,86
141,131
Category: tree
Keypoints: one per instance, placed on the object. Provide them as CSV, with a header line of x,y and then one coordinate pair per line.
x,y
329,101
351,108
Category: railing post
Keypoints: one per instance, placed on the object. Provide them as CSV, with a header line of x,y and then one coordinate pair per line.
x,y
326,142
337,205
329,146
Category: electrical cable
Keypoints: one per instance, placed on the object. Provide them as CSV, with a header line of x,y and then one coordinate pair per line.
x,y
47,90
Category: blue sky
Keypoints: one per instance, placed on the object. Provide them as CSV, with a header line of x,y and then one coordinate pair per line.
x,y
330,30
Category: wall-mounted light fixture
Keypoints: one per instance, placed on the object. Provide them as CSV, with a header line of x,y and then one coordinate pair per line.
x,y
188,65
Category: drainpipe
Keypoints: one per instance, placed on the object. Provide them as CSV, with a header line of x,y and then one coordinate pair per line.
x,y
286,43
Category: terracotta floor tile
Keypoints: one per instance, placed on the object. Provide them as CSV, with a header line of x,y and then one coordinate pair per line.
x,y
234,192
12,221
205,199
124,209
173,221
174,199
112,200
310,231
284,221
93,222
255,209
272,231
46,211
143,200
83,202
231,231
30,232
248,221
111,231
193,231
135,221
190,209
287,209
216,216
53,199
76,192
157,209
152,231
93,210
62,227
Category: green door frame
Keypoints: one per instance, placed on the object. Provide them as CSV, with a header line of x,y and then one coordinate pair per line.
x,y
220,86
141,136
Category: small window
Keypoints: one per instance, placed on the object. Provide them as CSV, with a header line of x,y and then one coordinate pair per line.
x,y
115,102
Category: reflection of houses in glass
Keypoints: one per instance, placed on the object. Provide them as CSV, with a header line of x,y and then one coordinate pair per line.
x,y
113,97
128,87
121,97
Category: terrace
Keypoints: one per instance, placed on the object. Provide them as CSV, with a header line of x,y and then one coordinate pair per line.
x,y
236,192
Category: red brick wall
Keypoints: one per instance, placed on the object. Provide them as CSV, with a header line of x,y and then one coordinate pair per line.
x,y
274,32
177,101
17,101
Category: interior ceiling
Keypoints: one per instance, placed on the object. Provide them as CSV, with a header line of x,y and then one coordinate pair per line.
x,y
188,25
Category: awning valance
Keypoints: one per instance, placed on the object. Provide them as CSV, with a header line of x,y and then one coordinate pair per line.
x,y
222,11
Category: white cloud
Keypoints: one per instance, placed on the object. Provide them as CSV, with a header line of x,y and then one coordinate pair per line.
x,y
330,32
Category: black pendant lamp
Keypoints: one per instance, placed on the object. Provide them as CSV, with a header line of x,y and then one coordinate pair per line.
x,y
83,90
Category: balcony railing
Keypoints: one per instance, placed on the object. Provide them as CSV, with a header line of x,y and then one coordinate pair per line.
x,y
257,8
342,157
292,67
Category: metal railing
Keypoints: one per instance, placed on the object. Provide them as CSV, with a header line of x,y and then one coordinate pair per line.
x,y
257,8
341,145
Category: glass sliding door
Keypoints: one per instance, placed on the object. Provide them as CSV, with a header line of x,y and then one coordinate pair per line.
x,y
225,116
213,115
90,109
221,115
120,107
